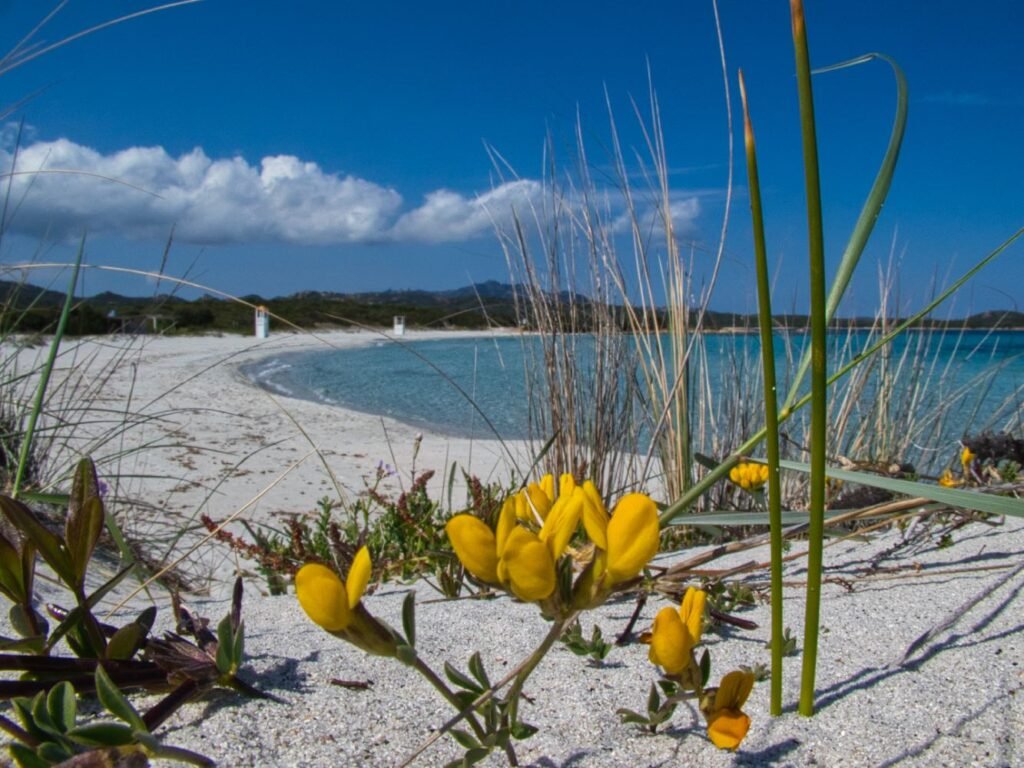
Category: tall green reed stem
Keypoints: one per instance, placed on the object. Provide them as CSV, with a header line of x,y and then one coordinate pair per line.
x,y
771,403
25,451
819,374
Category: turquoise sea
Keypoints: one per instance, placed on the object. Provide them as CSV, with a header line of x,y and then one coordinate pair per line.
x,y
431,383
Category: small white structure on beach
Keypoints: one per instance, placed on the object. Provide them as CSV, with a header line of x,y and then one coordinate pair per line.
x,y
262,322
399,325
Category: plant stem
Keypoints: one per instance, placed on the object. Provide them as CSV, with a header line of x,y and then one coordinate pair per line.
x,y
771,403
819,383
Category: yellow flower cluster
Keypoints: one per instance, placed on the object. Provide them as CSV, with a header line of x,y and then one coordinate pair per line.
x,y
749,475
676,632
533,532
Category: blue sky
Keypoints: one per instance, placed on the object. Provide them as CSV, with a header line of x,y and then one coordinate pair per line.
x,y
344,147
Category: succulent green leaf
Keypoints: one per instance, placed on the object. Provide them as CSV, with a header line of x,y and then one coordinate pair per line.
x,y
52,752
62,705
41,717
409,618
705,668
113,700
25,757
102,735
50,547
10,572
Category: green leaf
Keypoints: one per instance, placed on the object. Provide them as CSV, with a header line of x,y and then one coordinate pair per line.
x,y
52,752
10,571
84,519
409,618
705,668
653,700
474,756
114,701
476,666
50,547
954,497
460,679
62,705
25,757
123,643
225,663
465,739
238,645
522,731
102,735
629,716
41,717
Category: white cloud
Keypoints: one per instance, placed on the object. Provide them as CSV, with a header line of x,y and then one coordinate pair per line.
x,y
447,215
62,189
684,212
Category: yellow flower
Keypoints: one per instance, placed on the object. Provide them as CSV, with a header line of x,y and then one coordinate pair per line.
x,y
325,598
723,709
513,556
967,457
946,480
624,543
749,475
337,606
676,632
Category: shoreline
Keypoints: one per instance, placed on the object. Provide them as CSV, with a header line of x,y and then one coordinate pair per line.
x,y
201,438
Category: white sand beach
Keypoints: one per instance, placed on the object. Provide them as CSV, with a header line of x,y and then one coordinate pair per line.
x,y
201,438
215,442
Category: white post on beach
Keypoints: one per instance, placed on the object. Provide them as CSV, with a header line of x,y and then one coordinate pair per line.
x,y
262,323
399,325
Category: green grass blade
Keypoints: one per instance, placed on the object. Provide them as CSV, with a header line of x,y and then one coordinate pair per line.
x,y
771,405
44,376
954,497
872,204
819,384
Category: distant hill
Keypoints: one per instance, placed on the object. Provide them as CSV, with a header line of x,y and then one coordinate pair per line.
x,y
478,305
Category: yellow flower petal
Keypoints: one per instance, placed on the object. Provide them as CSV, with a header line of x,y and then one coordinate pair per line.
x,y
734,690
547,485
562,522
526,566
691,611
475,545
595,516
507,521
323,597
358,576
539,502
671,643
566,484
632,537
727,728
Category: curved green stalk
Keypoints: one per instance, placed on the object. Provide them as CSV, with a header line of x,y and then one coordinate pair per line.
x,y
25,450
771,404
872,204
819,384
